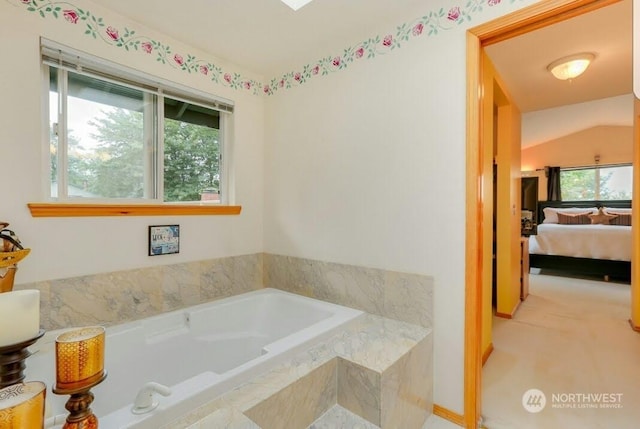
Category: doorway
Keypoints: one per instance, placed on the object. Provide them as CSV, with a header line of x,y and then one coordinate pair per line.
x,y
520,22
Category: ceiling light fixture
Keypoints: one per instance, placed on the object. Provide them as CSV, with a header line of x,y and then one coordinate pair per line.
x,y
571,66
295,4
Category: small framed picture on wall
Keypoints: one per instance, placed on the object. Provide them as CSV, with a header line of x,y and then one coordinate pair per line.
x,y
164,239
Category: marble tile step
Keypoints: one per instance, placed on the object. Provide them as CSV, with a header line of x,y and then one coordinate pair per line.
x,y
338,417
379,369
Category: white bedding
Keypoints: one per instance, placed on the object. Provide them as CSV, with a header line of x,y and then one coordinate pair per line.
x,y
583,241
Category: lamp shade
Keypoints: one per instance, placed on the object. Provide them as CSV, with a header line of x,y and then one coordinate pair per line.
x,y
570,67
22,405
79,358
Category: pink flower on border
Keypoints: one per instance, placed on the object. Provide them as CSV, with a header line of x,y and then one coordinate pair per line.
x,y
70,15
417,29
26,1
388,40
204,70
297,76
360,52
493,2
146,46
454,13
281,83
227,77
266,89
247,85
315,70
178,59
336,61
113,33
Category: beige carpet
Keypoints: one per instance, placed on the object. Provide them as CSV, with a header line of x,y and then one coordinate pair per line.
x,y
569,336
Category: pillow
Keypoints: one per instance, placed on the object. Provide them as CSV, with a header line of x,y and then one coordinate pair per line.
x,y
601,218
574,218
621,219
616,210
551,213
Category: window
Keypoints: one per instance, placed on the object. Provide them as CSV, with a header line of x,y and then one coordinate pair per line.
x,y
604,183
118,135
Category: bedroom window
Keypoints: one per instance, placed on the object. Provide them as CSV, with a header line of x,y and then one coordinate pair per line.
x,y
119,135
603,183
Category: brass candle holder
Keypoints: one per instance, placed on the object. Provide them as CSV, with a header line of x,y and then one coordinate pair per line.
x,y
12,359
22,405
80,367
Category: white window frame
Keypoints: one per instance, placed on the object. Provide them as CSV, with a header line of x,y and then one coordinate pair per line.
x,y
66,59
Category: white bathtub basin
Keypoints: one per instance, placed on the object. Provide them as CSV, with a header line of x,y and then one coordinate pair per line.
x,y
200,352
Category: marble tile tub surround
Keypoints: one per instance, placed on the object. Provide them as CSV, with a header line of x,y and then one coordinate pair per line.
x,y
390,294
122,296
396,354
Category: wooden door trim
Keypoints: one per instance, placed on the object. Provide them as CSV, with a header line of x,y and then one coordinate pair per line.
x,y
519,22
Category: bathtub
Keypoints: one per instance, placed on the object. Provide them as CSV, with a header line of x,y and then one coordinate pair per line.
x,y
200,352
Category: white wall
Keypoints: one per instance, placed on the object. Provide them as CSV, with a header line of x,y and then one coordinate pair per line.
x,y
66,247
367,167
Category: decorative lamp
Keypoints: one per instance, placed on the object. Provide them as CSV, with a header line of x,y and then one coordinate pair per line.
x,y
20,311
570,67
79,367
22,405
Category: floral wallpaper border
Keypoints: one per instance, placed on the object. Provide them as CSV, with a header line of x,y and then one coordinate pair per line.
x,y
431,24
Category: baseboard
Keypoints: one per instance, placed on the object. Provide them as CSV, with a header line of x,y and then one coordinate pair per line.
x,y
504,315
447,414
487,353
509,315
634,327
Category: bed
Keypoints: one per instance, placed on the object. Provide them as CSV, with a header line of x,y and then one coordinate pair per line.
x,y
582,249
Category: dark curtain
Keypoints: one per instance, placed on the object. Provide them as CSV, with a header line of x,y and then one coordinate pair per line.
x,y
553,183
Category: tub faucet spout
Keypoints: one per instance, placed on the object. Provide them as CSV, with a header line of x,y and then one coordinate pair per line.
x,y
144,402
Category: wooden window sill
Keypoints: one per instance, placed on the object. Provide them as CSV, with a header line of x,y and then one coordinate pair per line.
x,y
87,210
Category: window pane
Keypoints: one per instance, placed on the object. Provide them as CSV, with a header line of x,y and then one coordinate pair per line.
x,y
616,183
113,149
106,156
53,137
191,153
603,183
578,185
